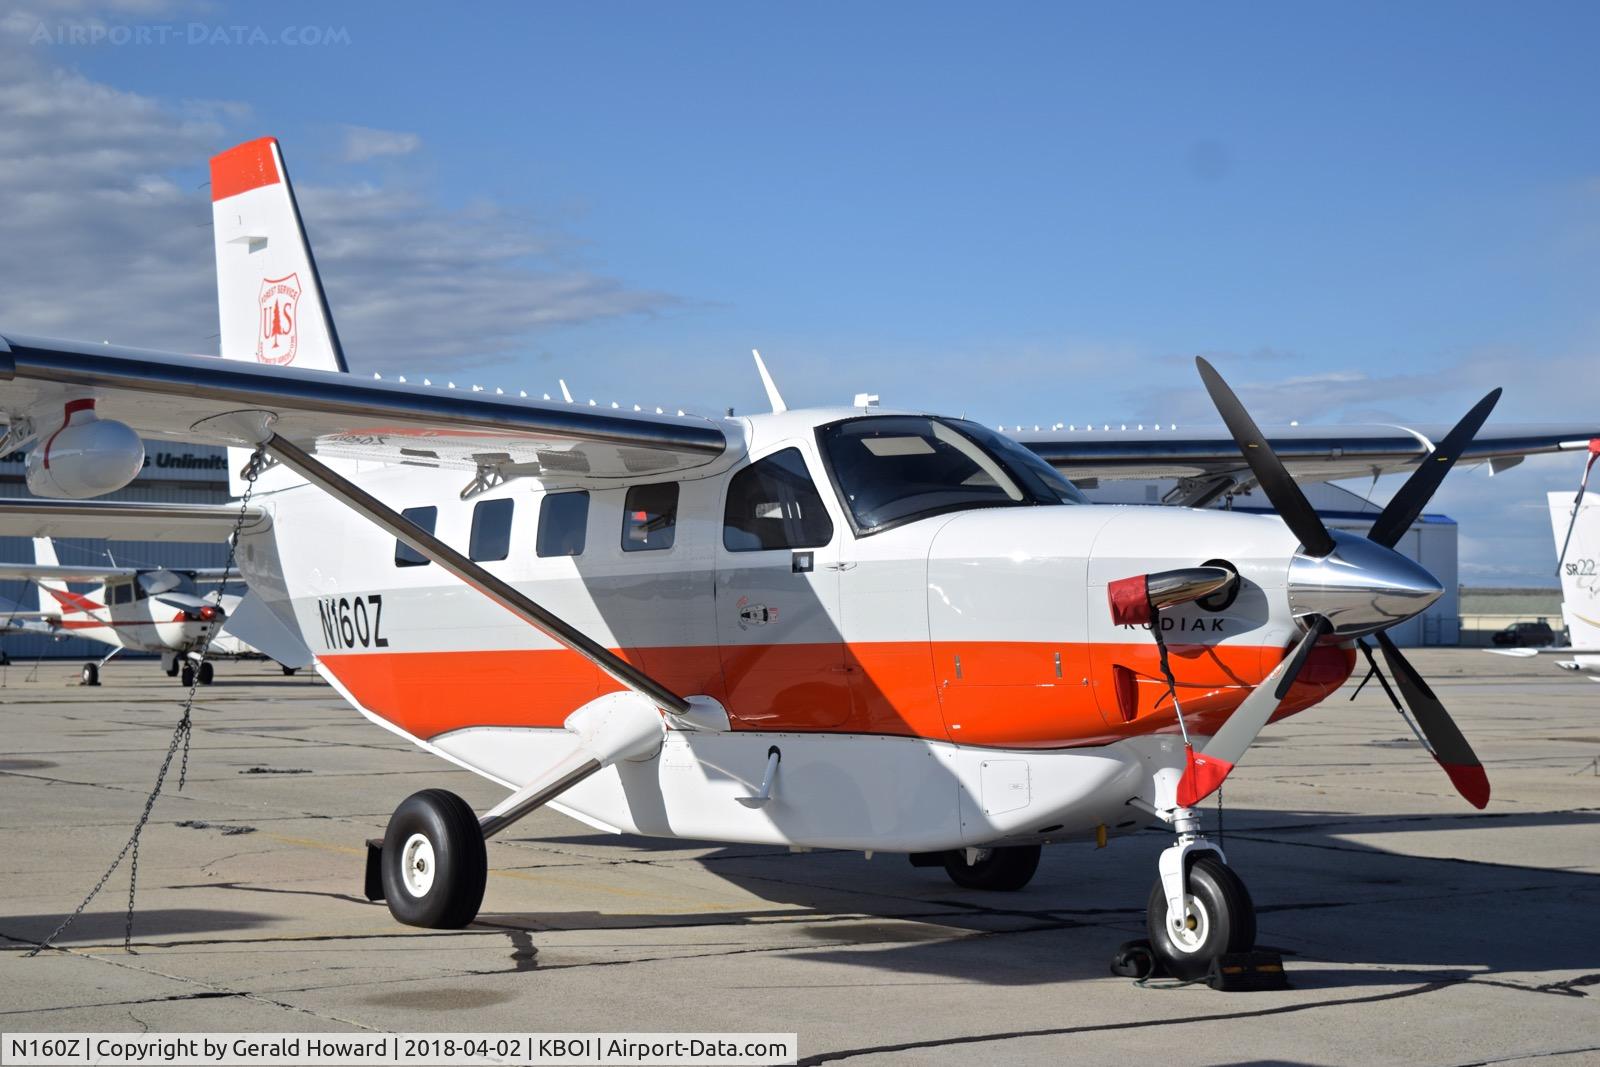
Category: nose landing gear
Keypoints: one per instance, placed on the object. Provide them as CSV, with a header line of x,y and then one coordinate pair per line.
x,y
1199,909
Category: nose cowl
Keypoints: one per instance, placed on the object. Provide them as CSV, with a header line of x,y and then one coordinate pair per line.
x,y
1360,587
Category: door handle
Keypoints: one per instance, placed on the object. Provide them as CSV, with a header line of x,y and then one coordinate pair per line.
x,y
840,566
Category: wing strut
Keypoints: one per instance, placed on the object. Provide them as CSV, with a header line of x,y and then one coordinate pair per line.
x,y
496,589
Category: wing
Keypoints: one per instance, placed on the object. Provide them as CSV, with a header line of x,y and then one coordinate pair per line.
x,y
1530,653
53,573
207,400
123,521
1311,453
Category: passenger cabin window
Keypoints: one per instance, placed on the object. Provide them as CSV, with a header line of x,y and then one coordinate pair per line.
x,y
773,503
563,524
650,517
491,530
122,593
423,519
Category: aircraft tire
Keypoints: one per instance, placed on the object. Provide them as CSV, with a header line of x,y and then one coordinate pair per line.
x,y
1003,869
1223,918
172,670
186,676
91,674
208,674
435,864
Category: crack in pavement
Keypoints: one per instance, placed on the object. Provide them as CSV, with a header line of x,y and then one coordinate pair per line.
x,y
1062,1031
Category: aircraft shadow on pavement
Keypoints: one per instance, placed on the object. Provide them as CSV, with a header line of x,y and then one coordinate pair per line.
x,y
1344,912
106,927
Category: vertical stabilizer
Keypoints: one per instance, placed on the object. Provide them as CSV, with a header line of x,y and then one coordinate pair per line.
x,y
1580,571
44,554
270,301
269,295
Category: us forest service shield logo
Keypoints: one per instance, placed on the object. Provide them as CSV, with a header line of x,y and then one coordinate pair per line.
x,y
279,306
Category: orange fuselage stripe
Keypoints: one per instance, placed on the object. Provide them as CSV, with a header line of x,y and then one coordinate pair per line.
x,y
1005,694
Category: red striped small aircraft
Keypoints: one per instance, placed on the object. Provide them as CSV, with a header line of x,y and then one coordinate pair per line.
x,y
840,628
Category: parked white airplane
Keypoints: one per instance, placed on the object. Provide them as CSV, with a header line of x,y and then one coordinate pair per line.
x,y
147,609
1577,532
838,628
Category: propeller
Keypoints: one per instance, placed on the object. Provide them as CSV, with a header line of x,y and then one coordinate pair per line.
x,y
1444,740
1403,509
1360,606
1273,477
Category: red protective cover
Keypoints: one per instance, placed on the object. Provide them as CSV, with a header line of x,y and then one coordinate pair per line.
x,y
1130,601
1201,776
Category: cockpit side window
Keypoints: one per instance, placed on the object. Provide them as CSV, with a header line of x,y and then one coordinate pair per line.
x,y
774,504
121,593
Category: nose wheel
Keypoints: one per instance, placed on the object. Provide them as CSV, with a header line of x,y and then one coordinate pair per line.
x,y
1217,918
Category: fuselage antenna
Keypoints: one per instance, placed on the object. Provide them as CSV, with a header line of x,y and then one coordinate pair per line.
x,y
773,396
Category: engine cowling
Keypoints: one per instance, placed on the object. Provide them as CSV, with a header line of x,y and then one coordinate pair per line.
x,y
87,456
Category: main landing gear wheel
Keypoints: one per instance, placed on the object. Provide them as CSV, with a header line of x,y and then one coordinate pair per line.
x,y
207,674
434,861
1218,918
172,668
91,674
1003,869
186,677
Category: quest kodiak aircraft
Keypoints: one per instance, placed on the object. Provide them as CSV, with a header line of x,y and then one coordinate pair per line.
x,y
845,628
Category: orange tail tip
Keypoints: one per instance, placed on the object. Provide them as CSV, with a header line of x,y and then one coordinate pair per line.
x,y
244,167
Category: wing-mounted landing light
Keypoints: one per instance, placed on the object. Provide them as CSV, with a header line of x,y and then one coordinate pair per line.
x,y
1343,587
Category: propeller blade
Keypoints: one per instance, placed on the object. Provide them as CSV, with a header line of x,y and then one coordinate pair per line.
x,y
1450,748
1291,504
1397,517
1228,745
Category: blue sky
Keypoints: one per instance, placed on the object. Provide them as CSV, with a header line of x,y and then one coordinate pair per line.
x,y
1026,212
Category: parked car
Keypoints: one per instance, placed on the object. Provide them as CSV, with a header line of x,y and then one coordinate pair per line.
x,y
1526,634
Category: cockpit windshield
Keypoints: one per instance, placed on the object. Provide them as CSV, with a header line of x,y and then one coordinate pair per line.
x,y
891,469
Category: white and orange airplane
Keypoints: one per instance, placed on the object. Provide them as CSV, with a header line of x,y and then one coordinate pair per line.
x,y
840,628
151,610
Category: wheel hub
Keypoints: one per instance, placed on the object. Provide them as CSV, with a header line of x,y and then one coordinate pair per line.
x,y
417,865
1189,934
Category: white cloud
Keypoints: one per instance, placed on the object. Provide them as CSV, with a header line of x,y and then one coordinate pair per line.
x,y
362,143
106,229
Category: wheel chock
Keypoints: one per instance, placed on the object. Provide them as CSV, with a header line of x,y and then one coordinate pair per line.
x,y
1247,972
374,882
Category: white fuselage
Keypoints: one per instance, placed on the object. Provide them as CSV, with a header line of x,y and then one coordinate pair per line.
x,y
952,680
